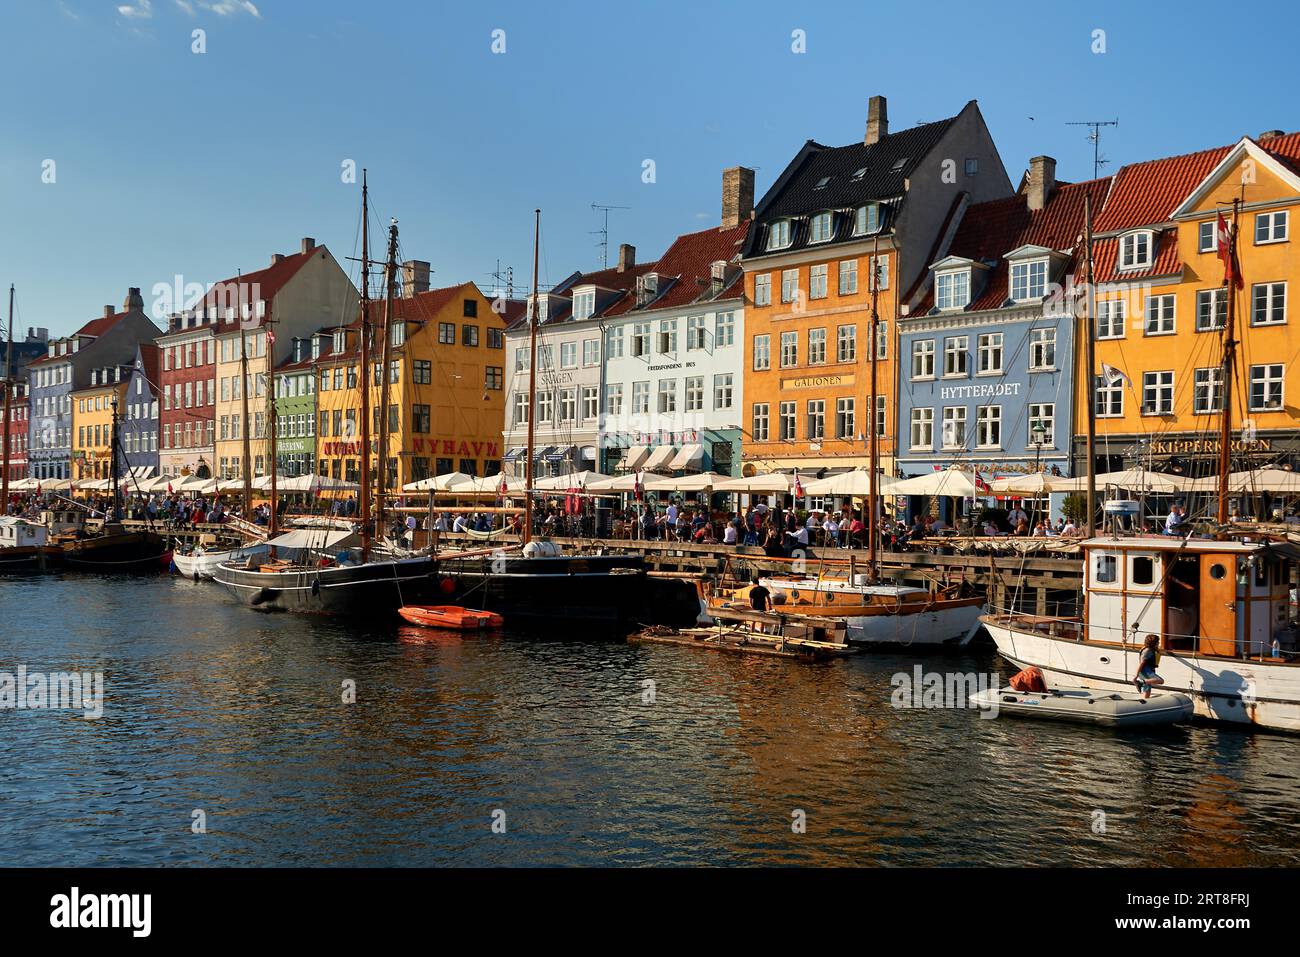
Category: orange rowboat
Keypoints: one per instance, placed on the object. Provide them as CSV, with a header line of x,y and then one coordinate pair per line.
x,y
450,616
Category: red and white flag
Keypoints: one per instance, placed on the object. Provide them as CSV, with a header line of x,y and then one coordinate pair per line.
x,y
169,488
1224,239
980,484
504,487
798,485
638,488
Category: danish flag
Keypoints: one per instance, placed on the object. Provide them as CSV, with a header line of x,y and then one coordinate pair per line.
x,y
1226,241
638,489
798,485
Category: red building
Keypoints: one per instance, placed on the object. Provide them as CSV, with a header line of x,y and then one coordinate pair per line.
x,y
187,394
17,426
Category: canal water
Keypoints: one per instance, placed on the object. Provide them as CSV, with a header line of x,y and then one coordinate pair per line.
x,y
216,708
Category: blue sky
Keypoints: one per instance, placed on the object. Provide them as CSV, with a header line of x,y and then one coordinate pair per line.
x,y
170,162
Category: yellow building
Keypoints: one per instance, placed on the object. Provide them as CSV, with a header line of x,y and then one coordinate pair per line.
x,y
1162,304
446,388
92,424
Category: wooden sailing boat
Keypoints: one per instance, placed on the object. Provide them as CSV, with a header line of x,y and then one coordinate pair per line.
x,y
325,576
1220,606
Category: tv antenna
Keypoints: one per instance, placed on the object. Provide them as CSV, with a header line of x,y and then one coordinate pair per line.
x,y
603,232
1094,137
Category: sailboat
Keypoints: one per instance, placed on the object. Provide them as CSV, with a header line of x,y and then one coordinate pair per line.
x,y
1219,605
324,573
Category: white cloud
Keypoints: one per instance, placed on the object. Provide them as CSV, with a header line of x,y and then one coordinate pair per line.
x,y
186,6
141,10
225,8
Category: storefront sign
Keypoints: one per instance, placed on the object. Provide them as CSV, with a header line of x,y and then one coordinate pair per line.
x,y
979,391
1206,446
818,382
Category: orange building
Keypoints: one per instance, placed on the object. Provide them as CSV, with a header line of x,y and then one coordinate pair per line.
x,y
92,424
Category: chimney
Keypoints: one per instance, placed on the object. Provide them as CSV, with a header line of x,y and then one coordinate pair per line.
x,y
134,301
1042,181
308,244
737,196
626,257
109,311
1269,135
415,277
277,258
877,121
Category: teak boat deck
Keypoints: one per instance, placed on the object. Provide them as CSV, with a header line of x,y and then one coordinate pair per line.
x,y
748,632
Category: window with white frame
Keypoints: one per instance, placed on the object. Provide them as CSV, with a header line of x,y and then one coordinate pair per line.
x,y
1109,398
723,390
988,427
1211,309
668,336
848,277
954,426
591,352
641,339
1207,391
789,349
1207,236
922,433
724,330
1271,227
1269,303
1042,425
1042,349
545,408
820,229
880,270
695,394
778,234
816,419
667,395
1135,250
568,355
952,289
817,281
614,398
1111,314
844,418
786,415
763,289
846,343
956,356
789,284
568,405
640,398
590,402
1158,393
1028,280
1160,315
867,220
990,353
882,339
923,359
1266,387
816,346
762,352
759,426
584,304
694,332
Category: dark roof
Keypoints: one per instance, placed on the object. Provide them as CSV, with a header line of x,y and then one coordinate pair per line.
x,y
95,328
852,175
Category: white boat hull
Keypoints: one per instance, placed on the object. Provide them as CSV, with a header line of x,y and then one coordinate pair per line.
x,y
204,566
1240,691
953,627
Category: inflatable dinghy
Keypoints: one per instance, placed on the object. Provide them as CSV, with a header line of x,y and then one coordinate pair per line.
x,y
1110,709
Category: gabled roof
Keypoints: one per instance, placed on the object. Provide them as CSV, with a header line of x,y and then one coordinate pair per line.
x,y
261,284
94,329
1146,194
686,270
988,231
1278,156
609,279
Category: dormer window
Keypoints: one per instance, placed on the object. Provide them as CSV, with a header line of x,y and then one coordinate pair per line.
x,y
1028,280
858,174
952,289
584,304
1135,249
867,220
778,234
823,183
340,338
718,270
647,287
397,333
315,347
821,228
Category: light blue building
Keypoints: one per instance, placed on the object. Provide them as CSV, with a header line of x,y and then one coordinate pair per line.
x,y
987,362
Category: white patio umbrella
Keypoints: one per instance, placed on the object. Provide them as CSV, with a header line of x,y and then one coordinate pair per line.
x,y
1033,484
440,483
627,483
1268,479
491,484
767,483
23,485
952,482
311,482
700,482
1132,480
561,483
854,483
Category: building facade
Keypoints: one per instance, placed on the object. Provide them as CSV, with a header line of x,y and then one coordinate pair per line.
x,y
18,429
987,353
140,414
1162,305
295,409
96,410
187,390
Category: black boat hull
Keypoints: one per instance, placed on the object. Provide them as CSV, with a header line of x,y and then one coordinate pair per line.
x,y
376,588
129,552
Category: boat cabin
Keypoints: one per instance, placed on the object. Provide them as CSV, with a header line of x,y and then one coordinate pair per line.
x,y
63,521
20,533
1222,598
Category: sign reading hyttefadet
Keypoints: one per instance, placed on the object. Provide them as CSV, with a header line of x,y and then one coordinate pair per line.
x,y
59,690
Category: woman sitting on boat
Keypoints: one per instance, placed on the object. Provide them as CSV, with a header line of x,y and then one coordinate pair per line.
x,y
1146,676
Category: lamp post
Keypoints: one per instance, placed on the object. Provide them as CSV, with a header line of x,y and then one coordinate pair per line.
x,y
1039,432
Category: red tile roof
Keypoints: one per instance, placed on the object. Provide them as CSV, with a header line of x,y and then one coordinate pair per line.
x,y
1146,194
262,284
149,354
689,263
1166,262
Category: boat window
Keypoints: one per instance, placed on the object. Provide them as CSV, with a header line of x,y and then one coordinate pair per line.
x,y
1218,571
1105,568
1143,570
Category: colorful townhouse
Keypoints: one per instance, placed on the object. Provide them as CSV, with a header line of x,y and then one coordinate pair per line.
x,y
95,411
1162,304
673,370
258,315
987,353
17,428
446,382
109,341
295,407
835,217
140,415
570,367
188,393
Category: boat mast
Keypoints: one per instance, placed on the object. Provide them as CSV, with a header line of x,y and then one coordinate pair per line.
x,y
364,510
112,453
390,272
9,388
532,314
247,426
874,455
273,526
1090,386
1229,361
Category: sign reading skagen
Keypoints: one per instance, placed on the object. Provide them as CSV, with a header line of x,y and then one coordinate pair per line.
x,y
817,382
980,391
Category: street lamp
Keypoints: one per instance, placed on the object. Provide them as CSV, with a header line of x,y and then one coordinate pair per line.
x,y
1039,432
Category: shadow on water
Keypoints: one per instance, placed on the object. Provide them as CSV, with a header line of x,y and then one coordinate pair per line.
x,y
597,752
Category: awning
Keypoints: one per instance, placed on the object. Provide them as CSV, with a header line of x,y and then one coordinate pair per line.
x,y
561,452
635,456
142,472
690,457
311,538
589,453
660,456
544,453
516,453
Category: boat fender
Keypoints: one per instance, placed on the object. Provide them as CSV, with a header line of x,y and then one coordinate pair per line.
x,y
447,586
260,596
315,586
196,574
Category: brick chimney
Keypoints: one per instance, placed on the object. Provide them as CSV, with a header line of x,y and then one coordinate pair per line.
x,y
737,196
415,277
877,120
134,301
308,244
626,257
1042,181
277,258
109,311
1269,135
